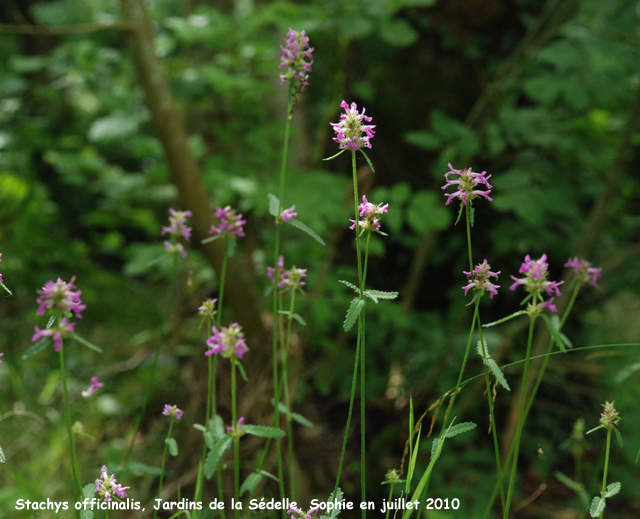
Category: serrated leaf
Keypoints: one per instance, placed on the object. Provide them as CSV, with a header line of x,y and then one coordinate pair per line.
x,y
619,437
335,496
3,458
612,489
505,319
472,213
263,431
173,446
85,342
379,294
303,227
459,213
350,285
355,308
554,332
243,373
497,372
274,205
37,347
460,428
368,160
216,427
434,446
597,507
250,484
213,458
51,320
483,352
208,439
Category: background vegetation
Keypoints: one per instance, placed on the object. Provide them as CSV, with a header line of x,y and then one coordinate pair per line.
x,y
544,96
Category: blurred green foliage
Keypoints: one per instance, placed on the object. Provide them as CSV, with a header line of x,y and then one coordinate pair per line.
x,y
538,95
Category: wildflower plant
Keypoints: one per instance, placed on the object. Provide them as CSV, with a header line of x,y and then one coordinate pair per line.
x,y
609,420
108,488
170,444
296,57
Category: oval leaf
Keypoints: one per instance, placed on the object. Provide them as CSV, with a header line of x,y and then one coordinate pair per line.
x,y
263,431
173,446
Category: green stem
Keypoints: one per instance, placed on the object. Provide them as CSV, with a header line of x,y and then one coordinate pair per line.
x,y
606,467
521,419
236,439
72,445
386,516
496,444
156,355
467,209
164,461
363,399
287,401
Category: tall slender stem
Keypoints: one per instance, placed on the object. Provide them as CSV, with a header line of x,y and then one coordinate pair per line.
x,y
363,399
72,445
156,355
468,219
521,420
236,439
287,400
164,461
606,468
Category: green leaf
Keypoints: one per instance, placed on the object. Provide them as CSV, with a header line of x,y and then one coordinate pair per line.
x,y
297,317
141,468
483,352
173,446
412,461
212,238
336,496
497,372
250,484
216,427
472,213
37,347
6,288
597,507
297,223
612,489
269,475
355,308
295,416
85,342
231,247
263,431
368,161
213,458
379,294
208,439
350,285
459,213
460,428
274,205
568,482
619,437
434,446
200,427
554,332
505,319
86,514
52,320
3,458
243,373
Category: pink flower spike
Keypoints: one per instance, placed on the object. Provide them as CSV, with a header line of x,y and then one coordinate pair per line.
x,y
292,58
231,223
466,185
349,131
227,342
172,410
582,270
60,296
479,279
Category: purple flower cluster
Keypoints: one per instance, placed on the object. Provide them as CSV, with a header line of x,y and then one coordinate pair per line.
x,y
107,487
228,342
1,354
231,223
369,212
583,271
292,58
480,279
535,281
466,183
271,271
288,214
95,384
238,428
288,279
177,229
208,308
60,296
172,410
300,514
58,331
350,129
610,417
